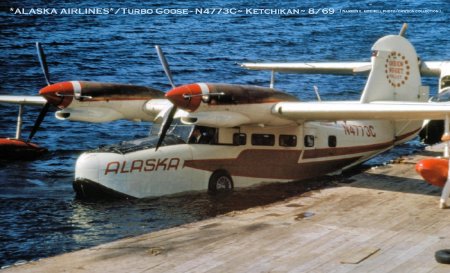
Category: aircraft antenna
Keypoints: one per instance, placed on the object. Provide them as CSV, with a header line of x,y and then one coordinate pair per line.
x,y
403,30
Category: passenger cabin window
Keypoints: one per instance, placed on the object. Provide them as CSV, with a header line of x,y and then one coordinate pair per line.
x,y
239,139
288,141
309,141
263,140
332,141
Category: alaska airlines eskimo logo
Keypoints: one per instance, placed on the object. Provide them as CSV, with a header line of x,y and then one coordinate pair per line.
x,y
397,69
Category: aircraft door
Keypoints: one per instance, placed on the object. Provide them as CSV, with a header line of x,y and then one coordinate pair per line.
x,y
310,141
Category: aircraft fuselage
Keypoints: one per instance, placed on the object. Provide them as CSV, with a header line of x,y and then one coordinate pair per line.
x,y
247,155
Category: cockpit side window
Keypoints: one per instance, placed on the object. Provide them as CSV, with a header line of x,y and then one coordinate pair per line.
x,y
203,135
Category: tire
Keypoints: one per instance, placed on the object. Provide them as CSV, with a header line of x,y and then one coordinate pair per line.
x,y
220,181
442,256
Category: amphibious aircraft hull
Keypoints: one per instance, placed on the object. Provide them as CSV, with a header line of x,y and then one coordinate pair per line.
x,y
143,172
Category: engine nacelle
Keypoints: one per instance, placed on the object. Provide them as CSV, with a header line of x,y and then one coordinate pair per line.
x,y
89,114
216,119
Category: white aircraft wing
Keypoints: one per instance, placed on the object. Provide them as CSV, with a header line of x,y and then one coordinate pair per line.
x,y
435,68
432,68
28,100
340,68
308,111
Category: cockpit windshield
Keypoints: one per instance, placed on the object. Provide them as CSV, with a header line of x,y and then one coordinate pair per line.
x,y
177,128
177,134
130,146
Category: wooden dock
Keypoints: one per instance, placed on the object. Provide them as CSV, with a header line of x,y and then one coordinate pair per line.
x,y
383,220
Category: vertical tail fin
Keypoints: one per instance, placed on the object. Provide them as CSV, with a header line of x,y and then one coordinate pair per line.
x,y
395,74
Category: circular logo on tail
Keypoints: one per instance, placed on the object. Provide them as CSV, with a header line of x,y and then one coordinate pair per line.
x,y
397,69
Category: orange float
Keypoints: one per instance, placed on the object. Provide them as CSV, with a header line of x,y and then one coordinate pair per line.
x,y
433,170
17,149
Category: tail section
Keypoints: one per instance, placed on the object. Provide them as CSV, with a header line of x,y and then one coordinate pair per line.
x,y
395,74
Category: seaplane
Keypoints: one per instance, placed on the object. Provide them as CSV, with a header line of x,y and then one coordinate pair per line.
x,y
218,136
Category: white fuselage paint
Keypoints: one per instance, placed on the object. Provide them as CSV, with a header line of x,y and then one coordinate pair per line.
x,y
188,167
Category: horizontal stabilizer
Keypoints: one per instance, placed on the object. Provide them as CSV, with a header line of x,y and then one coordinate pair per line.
x,y
338,68
432,68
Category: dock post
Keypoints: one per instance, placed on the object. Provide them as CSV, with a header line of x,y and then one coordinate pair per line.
x,y
443,204
446,190
446,136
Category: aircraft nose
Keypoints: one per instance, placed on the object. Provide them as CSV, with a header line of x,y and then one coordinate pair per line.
x,y
58,94
433,170
187,97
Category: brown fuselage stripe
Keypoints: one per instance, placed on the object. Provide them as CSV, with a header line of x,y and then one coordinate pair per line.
x,y
400,138
271,164
283,164
324,152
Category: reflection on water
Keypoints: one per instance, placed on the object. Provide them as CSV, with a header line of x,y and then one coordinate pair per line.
x,y
137,216
66,224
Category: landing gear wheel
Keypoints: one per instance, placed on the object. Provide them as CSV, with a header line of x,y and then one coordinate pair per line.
x,y
442,256
220,181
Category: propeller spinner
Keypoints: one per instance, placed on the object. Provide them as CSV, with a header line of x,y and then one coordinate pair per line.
x,y
55,94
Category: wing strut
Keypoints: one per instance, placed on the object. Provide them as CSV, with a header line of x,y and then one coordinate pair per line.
x,y
19,122
272,79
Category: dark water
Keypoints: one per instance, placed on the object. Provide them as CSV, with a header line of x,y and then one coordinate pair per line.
x,y
39,215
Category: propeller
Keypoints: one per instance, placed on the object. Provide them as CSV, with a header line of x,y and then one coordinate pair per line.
x,y
43,62
44,110
165,126
167,118
38,121
165,64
